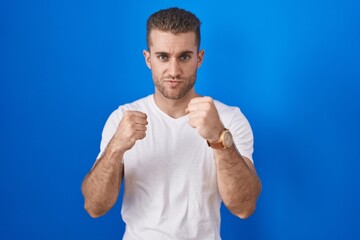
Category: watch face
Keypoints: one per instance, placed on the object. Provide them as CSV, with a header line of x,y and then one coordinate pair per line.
x,y
228,140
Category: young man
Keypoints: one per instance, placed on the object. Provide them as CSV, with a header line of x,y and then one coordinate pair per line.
x,y
179,153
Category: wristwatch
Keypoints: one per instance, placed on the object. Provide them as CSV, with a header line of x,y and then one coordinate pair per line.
x,y
225,142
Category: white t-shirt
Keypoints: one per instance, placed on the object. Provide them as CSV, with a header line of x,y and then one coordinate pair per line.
x,y
171,188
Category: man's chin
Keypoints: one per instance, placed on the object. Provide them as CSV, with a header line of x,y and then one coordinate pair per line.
x,y
173,95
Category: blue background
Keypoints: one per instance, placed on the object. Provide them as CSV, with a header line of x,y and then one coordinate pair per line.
x,y
293,67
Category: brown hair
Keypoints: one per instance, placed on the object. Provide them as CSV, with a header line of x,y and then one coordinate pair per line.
x,y
175,20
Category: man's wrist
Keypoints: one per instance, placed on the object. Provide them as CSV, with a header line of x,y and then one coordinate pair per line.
x,y
225,140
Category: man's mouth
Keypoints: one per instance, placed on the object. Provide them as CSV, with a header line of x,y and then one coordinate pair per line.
x,y
173,83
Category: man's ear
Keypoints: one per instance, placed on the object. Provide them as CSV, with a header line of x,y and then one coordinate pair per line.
x,y
200,57
147,58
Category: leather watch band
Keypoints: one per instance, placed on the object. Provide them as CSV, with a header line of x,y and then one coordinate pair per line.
x,y
216,145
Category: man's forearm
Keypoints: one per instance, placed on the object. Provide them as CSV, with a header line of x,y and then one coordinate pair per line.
x,y
102,185
238,183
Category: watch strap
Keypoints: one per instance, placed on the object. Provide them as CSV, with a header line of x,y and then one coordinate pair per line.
x,y
216,145
219,144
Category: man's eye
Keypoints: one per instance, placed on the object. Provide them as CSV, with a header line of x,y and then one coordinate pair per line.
x,y
162,57
185,57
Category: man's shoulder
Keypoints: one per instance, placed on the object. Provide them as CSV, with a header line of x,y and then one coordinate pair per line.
x,y
135,105
229,114
224,108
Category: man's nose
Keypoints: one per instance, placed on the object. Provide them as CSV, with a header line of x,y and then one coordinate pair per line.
x,y
174,68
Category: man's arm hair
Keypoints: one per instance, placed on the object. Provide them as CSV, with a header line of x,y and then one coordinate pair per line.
x,y
238,183
101,186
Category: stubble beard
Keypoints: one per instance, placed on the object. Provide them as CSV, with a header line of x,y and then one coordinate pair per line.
x,y
172,93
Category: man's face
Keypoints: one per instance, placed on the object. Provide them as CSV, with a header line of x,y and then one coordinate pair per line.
x,y
173,60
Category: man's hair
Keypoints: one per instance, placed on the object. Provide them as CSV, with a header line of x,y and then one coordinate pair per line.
x,y
174,20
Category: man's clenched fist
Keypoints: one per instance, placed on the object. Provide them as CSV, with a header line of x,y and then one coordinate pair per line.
x,y
132,127
204,116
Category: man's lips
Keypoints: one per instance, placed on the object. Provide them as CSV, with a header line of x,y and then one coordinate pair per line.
x,y
173,83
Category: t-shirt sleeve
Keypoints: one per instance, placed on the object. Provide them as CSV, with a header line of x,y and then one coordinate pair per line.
x,y
109,130
242,134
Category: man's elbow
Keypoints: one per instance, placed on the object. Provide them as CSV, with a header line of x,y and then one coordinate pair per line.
x,y
249,206
94,212
244,213
244,209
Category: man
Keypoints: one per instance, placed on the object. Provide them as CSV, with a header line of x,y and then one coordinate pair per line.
x,y
179,153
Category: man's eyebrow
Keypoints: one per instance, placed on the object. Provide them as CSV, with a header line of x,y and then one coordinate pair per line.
x,y
181,53
186,52
161,53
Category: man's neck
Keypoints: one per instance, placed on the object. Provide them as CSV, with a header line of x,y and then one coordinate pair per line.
x,y
175,108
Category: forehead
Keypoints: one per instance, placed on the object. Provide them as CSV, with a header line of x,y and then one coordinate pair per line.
x,y
170,42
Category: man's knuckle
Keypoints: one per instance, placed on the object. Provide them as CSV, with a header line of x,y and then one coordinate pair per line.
x,y
207,106
208,99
